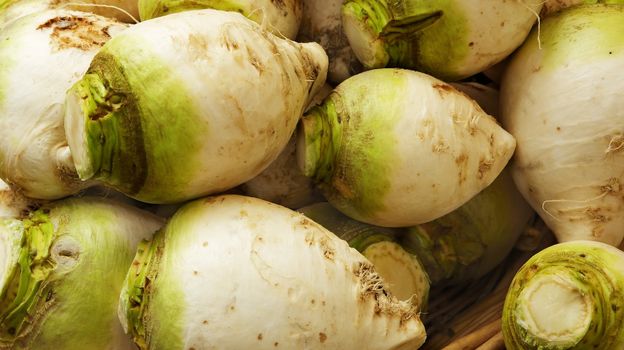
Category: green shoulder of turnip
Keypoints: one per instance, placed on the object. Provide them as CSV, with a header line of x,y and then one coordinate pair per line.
x,y
61,271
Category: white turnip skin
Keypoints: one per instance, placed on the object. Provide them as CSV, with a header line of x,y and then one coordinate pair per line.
x,y
564,105
156,118
11,10
396,148
237,272
41,56
321,23
281,18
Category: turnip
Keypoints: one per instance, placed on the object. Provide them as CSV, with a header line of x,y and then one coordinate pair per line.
x,y
41,56
281,17
564,105
394,147
450,39
238,272
321,23
189,104
568,296
61,272
472,240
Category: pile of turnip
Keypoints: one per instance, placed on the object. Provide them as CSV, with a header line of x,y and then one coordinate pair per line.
x,y
306,174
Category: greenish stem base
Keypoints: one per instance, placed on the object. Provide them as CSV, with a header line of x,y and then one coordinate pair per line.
x,y
27,285
136,293
318,136
382,33
103,128
554,311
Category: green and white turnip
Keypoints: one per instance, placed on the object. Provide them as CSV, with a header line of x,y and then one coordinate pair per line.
x,y
393,147
449,39
238,272
561,99
567,296
189,104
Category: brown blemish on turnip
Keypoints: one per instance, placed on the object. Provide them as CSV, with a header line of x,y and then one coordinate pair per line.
x,y
484,166
462,165
444,88
76,32
322,337
328,251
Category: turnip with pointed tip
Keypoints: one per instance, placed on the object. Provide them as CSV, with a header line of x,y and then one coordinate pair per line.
x,y
393,147
238,272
